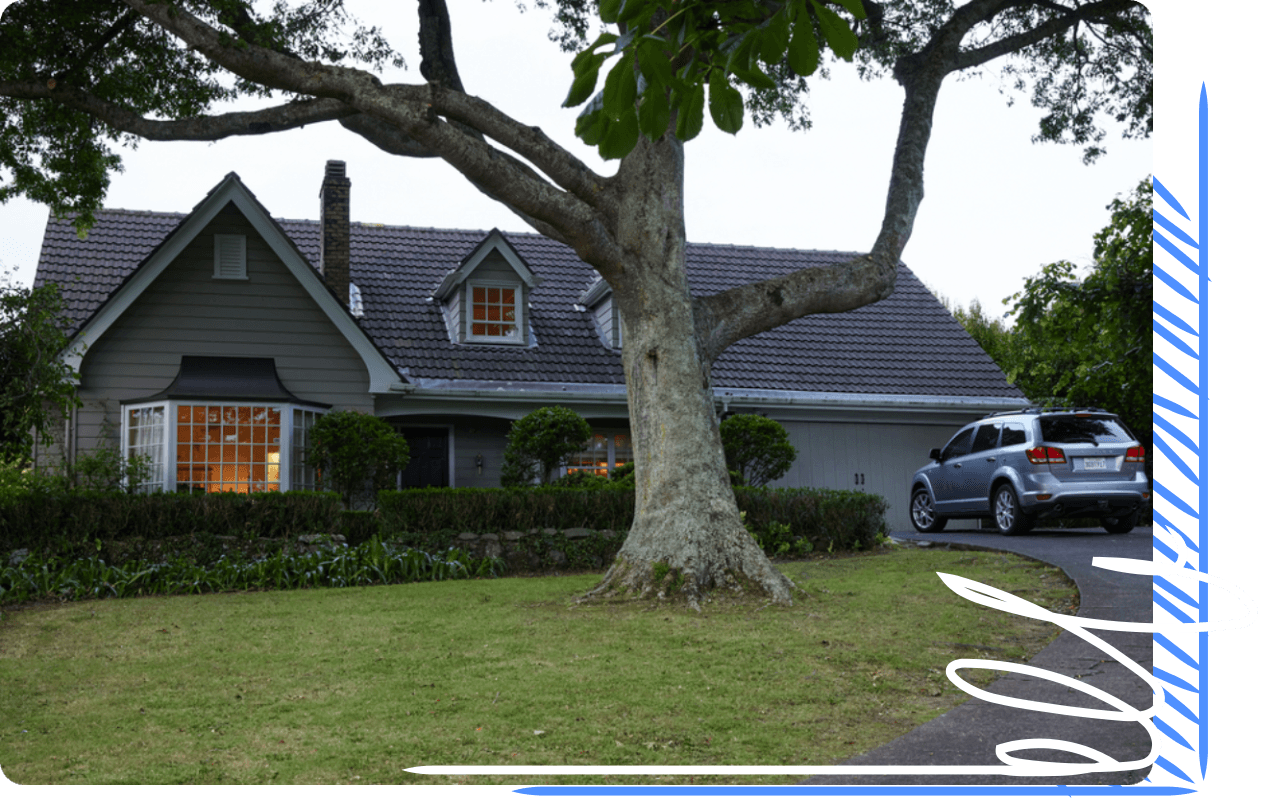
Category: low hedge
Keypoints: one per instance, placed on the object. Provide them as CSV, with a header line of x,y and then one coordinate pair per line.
x,y
120,527
330,566
842,520
432,516
84,523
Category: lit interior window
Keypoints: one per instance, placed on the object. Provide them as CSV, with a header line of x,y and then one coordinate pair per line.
x,y
228,448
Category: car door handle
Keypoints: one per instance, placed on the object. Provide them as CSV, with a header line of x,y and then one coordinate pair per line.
x,y
991,460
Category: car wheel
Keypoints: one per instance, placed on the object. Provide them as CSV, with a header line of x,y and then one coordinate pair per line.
x,y
924,516
1120,524
1010,520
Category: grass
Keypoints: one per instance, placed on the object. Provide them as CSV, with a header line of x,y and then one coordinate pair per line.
x,y
354,685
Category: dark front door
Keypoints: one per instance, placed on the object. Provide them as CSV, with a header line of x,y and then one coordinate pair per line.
x,y
428,458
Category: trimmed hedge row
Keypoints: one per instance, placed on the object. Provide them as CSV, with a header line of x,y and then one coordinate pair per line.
x,y
121,527
84,523
332,566
842,519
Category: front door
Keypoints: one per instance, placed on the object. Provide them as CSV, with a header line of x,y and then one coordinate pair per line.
x,y
428,458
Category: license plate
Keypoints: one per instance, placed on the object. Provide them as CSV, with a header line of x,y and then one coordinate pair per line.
x,y
1093,464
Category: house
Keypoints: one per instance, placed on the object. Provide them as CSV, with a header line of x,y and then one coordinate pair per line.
x,y
211,341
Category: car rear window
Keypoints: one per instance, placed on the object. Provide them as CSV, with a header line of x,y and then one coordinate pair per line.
x,y
1083,430
1013,434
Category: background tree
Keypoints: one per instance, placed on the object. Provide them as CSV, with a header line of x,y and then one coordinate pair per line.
x,y
76,77
355,453
1085,336
757,450
35,389
541,442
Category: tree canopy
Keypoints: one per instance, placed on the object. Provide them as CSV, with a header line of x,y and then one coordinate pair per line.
x,y
1083,336
35,387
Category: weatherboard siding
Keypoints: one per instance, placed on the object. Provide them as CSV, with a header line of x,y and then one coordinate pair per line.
x,y
833,454
185,311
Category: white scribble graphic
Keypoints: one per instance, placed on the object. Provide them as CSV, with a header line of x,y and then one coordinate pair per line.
x,y
1014,766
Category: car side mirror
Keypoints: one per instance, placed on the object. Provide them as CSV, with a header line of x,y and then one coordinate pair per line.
x,y
936,454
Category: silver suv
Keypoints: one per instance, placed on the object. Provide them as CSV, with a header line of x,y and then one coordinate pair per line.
x,y
1019,466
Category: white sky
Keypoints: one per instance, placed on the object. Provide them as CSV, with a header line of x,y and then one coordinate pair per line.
x,y
996,205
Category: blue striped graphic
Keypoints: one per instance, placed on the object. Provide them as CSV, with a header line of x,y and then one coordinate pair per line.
x,y
1187,274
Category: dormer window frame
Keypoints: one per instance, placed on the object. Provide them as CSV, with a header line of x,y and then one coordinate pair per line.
x,y
470,322
456,293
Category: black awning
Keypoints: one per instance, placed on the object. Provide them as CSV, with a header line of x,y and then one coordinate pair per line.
x,y
227,380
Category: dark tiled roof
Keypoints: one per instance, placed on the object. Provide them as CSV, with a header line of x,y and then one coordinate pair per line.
x,y
907,344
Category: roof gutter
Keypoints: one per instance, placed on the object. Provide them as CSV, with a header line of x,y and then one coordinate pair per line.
x,y
756,399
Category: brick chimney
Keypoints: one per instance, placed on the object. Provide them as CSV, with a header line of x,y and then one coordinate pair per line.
x,y
335,229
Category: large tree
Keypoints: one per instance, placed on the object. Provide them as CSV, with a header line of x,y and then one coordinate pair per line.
x,y
35,386
1085,336
76,77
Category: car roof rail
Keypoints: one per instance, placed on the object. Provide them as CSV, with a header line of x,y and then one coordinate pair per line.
x,y
1049,409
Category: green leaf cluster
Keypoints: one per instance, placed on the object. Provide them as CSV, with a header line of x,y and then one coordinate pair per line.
x,y
1086,335
36,391
1083,337
540,442
757,450
355,453
676,59
61,157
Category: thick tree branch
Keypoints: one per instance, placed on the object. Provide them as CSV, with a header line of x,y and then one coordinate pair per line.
x,y
1052,27
413,110
747,310
204,128
126,20
743,311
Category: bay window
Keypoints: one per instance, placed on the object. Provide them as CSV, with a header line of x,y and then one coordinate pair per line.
x,y
209,448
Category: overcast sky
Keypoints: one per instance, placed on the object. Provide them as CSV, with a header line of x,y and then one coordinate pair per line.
x,y
996,206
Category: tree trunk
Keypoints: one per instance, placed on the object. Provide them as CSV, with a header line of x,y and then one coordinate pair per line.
x,y
687,537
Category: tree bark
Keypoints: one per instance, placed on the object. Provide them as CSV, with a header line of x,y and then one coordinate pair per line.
x,y
687,538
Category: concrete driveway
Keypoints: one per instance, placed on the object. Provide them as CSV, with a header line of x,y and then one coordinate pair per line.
x,y
969,734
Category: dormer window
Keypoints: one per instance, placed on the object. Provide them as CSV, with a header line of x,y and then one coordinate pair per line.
x,y
598,301
486,299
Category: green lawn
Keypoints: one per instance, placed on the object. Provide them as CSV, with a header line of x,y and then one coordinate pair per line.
x,y
354,685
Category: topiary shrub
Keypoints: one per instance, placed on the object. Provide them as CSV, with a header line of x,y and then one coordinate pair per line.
x,y
355,453
756,449
540,443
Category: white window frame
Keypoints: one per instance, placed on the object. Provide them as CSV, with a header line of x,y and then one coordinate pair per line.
x,y
235,246
164,476
610,436
469,316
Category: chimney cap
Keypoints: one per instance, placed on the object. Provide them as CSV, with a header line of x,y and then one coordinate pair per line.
x,y
335,169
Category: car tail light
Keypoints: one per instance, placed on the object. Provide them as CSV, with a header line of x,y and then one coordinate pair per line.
x,y
1046,455
1135,455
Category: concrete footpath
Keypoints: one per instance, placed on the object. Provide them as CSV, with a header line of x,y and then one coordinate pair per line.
x,y
969,734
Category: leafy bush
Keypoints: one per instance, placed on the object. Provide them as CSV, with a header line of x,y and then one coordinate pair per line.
x,y
540,443
334,566
107,470
756,449
355,452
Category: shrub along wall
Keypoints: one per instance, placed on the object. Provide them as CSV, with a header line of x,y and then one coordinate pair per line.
x,y
435,517
534,529
119,527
